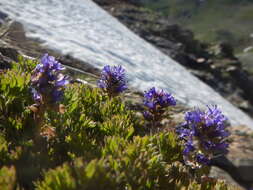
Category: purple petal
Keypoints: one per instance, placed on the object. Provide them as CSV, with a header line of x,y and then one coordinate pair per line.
x,y
112,79
62,81
201,158
189,147
36,95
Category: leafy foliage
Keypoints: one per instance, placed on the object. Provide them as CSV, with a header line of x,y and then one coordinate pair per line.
x,y
7,178
89,117
139,164
15,99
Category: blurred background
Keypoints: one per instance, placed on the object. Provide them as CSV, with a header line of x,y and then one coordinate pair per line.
x,y
213,21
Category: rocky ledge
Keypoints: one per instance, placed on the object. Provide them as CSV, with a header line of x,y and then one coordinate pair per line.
x,y
215,64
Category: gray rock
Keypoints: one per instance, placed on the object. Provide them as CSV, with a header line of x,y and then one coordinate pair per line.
x,y
240,170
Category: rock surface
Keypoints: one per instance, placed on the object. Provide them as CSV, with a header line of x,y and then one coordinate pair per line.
x,y
215,65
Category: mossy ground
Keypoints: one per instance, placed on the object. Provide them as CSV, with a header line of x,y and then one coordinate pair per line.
x,y
213,21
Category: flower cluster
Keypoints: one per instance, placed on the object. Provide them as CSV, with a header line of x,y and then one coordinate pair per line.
x,y
47,81
204,134
156,103
112,80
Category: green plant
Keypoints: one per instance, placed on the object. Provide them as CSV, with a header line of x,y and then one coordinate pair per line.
x,y
15,99
7,178
149,162
87,119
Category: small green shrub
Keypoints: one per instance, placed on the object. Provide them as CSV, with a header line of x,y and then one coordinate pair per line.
x,y
4,154
143,163
7,178
15,116
88,118
59,178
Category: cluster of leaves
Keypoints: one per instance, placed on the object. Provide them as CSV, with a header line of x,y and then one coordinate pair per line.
x,y
149,162
88,119
14,98
94,143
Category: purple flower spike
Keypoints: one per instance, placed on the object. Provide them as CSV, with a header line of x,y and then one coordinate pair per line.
x,y
154,99
36,95
47,81
62,81
213,116
202,159
156,103
208,131
112,80
49,63
183,132
188,148
194,116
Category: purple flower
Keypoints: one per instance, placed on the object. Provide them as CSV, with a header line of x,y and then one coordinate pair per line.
x,y
154,99
219,133
112,80
213,116
61,81
49,63
189,147
36,95
194,116
222,146
183,132
208,131
202,159
156,103
47,81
